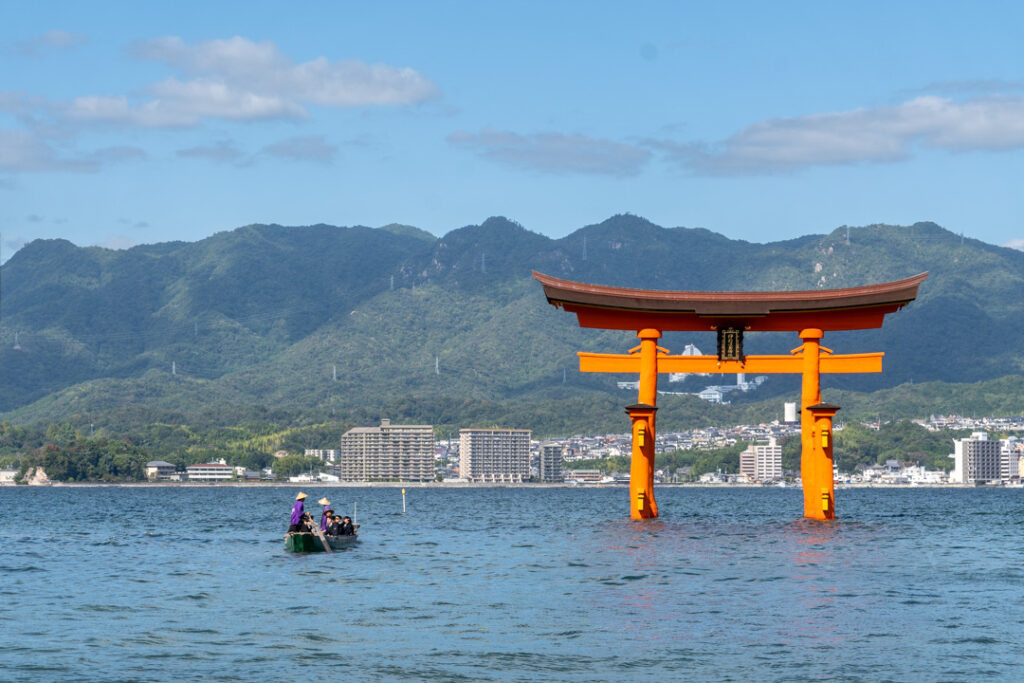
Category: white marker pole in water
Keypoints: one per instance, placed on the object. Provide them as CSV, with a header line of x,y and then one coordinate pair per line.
x,y
403,501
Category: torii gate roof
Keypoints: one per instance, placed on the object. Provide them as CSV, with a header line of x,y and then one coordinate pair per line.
x,y
621,308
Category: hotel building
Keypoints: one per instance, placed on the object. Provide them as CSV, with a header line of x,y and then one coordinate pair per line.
x,y
494,455
387,453
210,471
976,460
762,462
550,465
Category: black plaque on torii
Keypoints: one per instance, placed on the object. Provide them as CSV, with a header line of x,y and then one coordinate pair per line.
x,y
730,343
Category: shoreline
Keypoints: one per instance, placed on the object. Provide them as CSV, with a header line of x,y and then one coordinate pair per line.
x,y
477,485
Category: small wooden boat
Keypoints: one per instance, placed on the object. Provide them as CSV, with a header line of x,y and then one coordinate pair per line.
x,y
305,542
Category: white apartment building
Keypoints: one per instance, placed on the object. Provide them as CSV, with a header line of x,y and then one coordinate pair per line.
x,y
387,453
976,460
325,454
210,471
550,465
762,462
494,454
1009,466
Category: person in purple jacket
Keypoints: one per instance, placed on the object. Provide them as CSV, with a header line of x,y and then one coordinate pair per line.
x,y
297,523
325,516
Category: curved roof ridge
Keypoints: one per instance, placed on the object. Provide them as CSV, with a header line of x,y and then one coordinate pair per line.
x,y
711,295
627,308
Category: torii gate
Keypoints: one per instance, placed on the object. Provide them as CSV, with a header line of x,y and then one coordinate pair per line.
x,y
809,313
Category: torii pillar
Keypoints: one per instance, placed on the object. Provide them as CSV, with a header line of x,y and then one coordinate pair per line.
x,y
730,314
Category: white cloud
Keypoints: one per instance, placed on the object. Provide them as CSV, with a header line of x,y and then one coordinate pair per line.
x,y
117,242
179,104
23,151
233,79
50,40
222,151
555,152
12,244
975,86
879,134
62,39
106,155
237,79
312,148
1017,244
263,70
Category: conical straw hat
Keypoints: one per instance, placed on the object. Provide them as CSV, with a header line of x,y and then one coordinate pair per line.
x,y
324,501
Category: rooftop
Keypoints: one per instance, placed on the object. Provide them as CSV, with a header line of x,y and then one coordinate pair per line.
x,y
624,308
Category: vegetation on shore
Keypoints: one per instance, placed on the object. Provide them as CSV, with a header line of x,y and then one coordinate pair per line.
x,y
71,454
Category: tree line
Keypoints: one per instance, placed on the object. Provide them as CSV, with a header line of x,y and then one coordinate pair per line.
x,y
69,452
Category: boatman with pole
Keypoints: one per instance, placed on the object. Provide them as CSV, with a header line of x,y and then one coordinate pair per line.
x,y
297,512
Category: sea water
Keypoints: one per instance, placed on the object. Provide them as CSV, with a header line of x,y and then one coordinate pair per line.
x,y
519,584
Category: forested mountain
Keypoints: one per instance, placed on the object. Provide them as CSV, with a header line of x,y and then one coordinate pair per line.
x,y
264,317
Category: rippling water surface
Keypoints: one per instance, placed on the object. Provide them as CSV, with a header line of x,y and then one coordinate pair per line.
x,y
155,584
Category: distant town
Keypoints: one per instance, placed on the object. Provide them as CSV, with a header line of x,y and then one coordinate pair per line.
x,y
410,453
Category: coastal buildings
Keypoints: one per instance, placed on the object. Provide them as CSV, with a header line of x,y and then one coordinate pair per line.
x,y
762,462
329,455
496,455
387,453
550,462
976,460
1009,462
210,471
585,476
158,470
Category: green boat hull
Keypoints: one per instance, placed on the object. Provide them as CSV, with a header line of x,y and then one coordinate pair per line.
x,y
308,543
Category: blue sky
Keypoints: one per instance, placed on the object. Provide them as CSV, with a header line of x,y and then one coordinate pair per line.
x,y
129,123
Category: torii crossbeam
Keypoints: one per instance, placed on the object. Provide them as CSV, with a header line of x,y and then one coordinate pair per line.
x,y
809,313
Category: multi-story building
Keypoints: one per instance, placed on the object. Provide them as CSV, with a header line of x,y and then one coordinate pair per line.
x,y
387,453
210,471
325,454
584,476
159,470
976,460
762,462
494,454
1009,465
550,465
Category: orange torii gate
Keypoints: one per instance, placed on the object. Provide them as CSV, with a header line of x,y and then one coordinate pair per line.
x,y
809,313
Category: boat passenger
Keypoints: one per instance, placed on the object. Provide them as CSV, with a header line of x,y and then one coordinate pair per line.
x,y
346,527
334,528
325,515
297,514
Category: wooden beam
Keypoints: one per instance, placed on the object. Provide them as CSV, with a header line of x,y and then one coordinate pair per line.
x,y
763,365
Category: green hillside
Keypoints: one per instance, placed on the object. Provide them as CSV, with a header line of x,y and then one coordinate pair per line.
x,y
325,323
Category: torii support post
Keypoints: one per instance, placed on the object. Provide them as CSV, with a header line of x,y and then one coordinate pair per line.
x,y
641,468
816,462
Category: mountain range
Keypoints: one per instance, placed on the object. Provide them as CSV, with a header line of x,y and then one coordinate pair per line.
x,y
322,320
